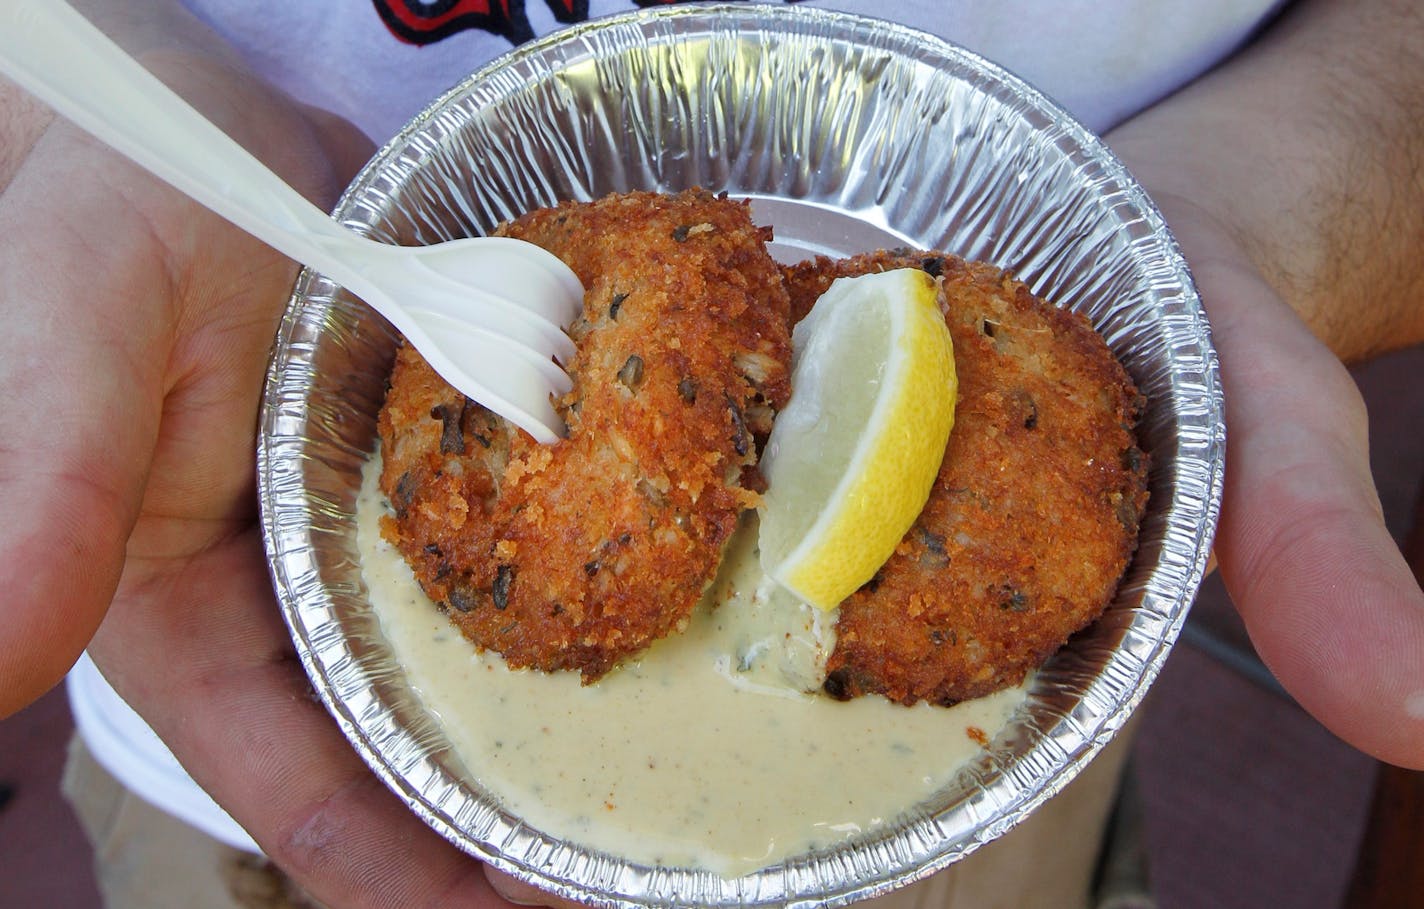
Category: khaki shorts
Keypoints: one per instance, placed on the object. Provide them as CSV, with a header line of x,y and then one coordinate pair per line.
x,y
146,859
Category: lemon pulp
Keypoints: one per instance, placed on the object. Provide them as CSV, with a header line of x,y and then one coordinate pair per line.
x,y
852,457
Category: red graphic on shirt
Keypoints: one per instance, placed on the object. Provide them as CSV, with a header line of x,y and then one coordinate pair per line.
x,y
428,21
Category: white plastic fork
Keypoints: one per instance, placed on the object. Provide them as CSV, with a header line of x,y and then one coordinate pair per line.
x,y
487,313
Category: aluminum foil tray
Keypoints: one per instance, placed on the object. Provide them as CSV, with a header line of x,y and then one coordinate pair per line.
x,y
849,134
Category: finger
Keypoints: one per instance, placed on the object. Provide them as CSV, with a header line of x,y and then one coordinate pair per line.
x,y
81,361
218,680
522,894
96,336
1329,601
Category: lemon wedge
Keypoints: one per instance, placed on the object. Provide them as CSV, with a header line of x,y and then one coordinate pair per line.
x,y
853,455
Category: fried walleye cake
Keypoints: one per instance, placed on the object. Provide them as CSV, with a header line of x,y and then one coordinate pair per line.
x,y
577,554
1034,514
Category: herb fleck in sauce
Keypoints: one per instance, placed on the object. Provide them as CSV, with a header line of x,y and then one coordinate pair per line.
x,y
705,751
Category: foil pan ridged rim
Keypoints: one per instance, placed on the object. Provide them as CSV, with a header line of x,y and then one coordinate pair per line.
x,y
855,131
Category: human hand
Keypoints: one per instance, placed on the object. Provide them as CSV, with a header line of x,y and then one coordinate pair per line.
x,y
1331,605
1286,178
137,333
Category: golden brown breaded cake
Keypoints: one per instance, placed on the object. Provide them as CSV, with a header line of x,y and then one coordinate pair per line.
x,y
578,554
1034,514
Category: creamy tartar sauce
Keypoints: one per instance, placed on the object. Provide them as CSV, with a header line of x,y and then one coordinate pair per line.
x,y
710,750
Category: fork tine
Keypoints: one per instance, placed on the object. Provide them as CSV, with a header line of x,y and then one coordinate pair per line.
x,y
451,333
464,305
449,285
508,313
518,273
486,362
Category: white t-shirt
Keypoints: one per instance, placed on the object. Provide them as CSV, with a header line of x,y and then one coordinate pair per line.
x,y
379,62
1101,59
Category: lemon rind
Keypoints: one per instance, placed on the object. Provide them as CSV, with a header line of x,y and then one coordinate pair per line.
x,y
914,401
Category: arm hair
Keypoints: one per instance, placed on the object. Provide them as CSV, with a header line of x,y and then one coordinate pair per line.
x,y
1308,147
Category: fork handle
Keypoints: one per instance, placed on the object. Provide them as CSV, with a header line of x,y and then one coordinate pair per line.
x,y
55,53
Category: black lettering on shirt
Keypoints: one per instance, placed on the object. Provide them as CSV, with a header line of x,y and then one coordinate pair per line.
x,y
569,10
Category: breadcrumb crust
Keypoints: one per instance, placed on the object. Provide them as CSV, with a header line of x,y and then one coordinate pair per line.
x,y
578,554
1034,515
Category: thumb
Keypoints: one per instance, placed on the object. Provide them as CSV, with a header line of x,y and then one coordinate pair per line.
x,y
81,362
1331,605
